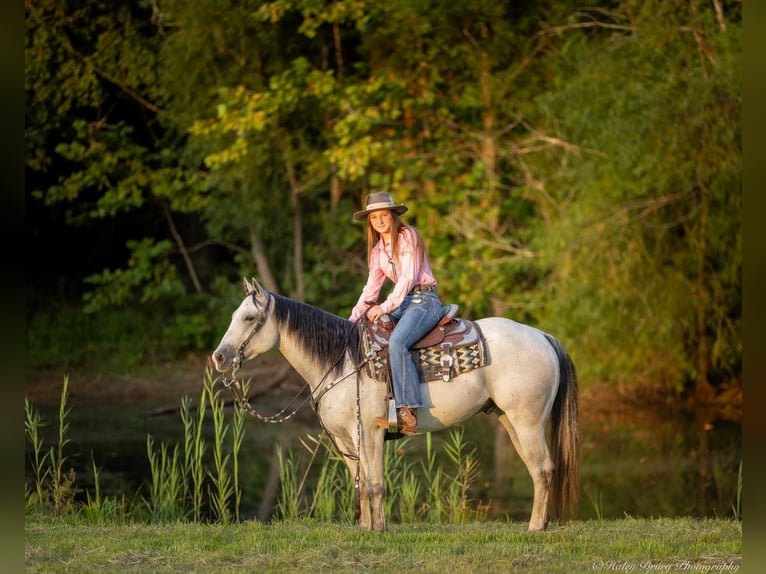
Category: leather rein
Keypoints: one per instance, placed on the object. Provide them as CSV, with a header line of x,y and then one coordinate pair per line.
x,y
238,390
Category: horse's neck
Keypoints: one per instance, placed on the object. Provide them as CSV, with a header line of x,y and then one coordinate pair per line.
x,y
300,360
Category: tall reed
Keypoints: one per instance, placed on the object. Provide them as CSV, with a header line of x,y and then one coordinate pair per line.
x,y
433,476
182,480
431,492
168,484
33,423
99,510
238,436
63,488
54,483
289,502
466,465
222,488
194,452
737,506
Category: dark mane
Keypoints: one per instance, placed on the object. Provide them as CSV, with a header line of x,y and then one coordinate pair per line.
x,y
325,337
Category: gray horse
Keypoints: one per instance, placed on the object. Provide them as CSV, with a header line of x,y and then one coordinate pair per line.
x,y
529,377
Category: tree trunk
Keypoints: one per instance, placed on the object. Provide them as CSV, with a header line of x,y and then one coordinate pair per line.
x,y
488,146
335,193
295,202
703,391
270,491
266,277
182,248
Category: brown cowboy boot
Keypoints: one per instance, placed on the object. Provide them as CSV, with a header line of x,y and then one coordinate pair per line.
x,y
405,419
408,421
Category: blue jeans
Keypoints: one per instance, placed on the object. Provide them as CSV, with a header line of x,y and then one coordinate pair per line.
x,y
417,315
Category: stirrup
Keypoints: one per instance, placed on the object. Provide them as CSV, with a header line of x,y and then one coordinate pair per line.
x,y
393,419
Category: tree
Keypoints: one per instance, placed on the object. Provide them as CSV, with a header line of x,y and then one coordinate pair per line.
x,y
92,128
644,246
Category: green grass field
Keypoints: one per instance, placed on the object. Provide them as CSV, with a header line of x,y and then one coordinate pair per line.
x,y
627,545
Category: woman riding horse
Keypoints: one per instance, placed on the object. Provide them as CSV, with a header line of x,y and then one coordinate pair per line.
x,y
396,251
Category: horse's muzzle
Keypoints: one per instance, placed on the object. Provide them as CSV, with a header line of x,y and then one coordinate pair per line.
x,y
222,358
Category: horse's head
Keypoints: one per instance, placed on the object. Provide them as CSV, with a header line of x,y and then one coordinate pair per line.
x,y
250,332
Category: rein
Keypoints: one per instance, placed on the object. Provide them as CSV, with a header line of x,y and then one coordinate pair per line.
x,y
237,388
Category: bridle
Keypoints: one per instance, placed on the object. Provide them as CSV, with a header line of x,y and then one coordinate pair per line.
x,y
237,388
240,397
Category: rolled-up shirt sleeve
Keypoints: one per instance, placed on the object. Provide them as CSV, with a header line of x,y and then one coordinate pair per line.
x,y
410,271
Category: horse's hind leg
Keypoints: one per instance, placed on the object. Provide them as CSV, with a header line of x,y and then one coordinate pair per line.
x,y
529,442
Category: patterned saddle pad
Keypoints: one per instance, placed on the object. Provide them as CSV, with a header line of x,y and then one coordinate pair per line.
x,y
444,353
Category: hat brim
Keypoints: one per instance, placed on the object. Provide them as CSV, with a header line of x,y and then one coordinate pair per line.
x,y
362,215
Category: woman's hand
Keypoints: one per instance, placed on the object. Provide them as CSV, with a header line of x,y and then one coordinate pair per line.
x,y
374,313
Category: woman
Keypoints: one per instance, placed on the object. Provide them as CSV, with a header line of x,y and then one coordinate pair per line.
x,y
396,251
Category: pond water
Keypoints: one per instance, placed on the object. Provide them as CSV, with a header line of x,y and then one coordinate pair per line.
x,y
639,462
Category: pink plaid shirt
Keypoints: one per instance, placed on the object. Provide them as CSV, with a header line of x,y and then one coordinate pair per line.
x,y
404,278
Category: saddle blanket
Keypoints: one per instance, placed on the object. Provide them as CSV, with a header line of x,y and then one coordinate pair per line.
x,y
446,352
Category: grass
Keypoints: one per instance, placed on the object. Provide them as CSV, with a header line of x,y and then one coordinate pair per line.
x,y
678,544
193,522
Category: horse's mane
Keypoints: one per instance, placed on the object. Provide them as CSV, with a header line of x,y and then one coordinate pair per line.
x,y
325,337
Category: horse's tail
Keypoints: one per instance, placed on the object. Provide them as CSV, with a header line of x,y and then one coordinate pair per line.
x,y
565,437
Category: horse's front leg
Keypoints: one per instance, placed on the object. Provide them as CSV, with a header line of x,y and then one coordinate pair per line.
x,y
362,511
363,490
372,459
378,504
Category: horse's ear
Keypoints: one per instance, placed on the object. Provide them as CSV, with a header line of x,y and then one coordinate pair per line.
x,y
256,287
252,286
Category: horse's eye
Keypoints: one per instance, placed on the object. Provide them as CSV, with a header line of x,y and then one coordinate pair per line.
x,y
249,319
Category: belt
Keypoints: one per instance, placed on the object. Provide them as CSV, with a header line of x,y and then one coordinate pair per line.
x,y
423,288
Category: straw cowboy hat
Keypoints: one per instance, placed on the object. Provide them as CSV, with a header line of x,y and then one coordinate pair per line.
x,y
379,200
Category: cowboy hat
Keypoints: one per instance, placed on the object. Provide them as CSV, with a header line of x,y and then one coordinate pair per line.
x,y
379,200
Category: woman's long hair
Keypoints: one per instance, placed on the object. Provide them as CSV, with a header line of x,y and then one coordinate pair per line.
x,y
397,225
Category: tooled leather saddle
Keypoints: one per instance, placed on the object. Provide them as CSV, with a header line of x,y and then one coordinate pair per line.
x,y
453,347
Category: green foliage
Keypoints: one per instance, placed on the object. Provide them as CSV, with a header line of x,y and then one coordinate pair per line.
x,y
574,168
147,273
644,243
466,466
113,340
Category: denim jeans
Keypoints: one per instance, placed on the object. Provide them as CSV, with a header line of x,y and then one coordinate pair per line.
x,y
417,315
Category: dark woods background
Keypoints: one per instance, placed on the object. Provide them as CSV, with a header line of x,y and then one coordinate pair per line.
x,y
576,168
